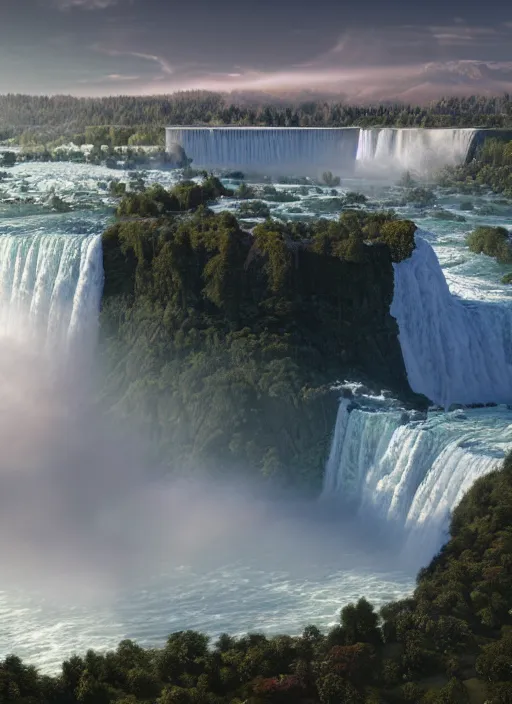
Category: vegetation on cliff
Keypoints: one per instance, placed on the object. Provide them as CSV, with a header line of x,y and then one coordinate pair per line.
x,y
227,342
490,169
450,643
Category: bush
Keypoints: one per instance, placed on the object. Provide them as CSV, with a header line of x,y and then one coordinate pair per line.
x,y
399,236
254,209
419,197
330,180
492,241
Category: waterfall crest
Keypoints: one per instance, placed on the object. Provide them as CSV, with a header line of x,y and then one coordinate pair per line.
x,y
51,286
280,150
455,350
311,150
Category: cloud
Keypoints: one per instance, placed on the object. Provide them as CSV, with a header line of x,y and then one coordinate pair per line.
x,y
417,82
162,63
463,35
407,62
86,4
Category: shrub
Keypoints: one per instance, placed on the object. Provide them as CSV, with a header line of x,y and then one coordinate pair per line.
x,y
330,180
399,236
493,241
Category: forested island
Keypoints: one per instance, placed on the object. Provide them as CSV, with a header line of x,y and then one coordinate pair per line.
x,y
450,643
227,341
134,121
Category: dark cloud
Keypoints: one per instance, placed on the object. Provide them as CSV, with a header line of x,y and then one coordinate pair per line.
x,y
366,50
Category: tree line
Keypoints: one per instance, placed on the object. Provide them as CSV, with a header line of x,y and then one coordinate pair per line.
x,y
123,120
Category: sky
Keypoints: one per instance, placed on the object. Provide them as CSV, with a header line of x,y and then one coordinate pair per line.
x,y
363,50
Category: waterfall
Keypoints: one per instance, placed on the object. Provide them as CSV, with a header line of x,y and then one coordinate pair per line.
x,y
412,473
312,150
51,286
295,150
455,350
416,149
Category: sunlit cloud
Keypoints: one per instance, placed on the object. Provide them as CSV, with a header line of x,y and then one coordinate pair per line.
x,y
86,4
405,62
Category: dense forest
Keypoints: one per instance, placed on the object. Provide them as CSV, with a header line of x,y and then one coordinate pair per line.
x,y
226,342
450,643
140,120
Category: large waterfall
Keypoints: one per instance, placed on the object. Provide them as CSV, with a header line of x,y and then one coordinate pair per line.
x,y
312,150
455,350
413,149
50,286
413,472
279,150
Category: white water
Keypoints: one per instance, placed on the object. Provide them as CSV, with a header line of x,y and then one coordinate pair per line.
x,y
413,473
299,151
413,149
51,285
455,350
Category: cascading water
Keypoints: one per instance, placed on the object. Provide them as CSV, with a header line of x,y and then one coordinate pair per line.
x,y
50,286
413,149
294,150
309,151
455,350
412,472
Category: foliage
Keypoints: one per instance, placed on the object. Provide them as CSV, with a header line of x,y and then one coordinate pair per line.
x,y
330,180
490,169
254,209
156,200
419,197
450,643
227,342
493,241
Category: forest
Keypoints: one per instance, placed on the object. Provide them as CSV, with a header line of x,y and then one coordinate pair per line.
x,y
125,120
226,342
449,643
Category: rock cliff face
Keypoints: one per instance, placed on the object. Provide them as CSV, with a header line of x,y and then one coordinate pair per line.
x,y
359,335
227,346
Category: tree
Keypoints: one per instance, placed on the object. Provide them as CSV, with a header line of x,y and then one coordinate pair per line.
x,y
360,623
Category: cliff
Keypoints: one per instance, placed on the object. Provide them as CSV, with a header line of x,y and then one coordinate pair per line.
x,y
226,343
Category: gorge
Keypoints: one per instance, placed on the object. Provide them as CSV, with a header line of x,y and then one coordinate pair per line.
x,y
387,462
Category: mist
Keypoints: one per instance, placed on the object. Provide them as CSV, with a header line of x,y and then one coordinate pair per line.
x,y
82,515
